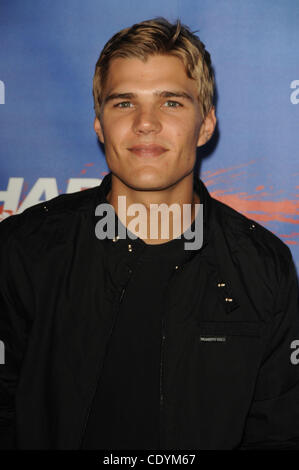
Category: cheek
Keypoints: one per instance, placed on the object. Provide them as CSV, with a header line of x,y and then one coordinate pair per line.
x,y
183,129
115,136
115,127
186,137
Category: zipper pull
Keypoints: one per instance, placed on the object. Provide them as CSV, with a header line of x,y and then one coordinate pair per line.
x,y
121,295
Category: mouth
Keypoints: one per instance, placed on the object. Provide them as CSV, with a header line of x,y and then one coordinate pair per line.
x,y
148,150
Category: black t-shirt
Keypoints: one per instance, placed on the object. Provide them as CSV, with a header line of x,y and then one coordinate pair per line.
x,y
125,410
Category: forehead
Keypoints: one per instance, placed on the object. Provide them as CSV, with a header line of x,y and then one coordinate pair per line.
x,y
127,74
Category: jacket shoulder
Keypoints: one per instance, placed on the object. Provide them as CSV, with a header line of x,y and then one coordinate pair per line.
x,y
248,232
58,209
262,261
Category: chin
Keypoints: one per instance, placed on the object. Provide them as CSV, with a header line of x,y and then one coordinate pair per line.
x,y
146,180
147,185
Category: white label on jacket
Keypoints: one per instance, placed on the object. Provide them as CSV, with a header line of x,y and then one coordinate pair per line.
x,y
213,338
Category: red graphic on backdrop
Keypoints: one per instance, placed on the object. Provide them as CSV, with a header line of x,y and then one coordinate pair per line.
x,y
259,204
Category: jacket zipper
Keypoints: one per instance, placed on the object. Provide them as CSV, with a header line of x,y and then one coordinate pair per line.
x,y
162,397
99,375
161,377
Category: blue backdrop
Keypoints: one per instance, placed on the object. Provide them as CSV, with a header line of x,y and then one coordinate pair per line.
x,y
48,50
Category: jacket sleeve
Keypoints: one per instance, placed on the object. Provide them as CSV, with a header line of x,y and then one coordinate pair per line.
x,y
273,418
13,327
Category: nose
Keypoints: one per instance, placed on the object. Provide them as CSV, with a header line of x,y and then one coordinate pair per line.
x,y
147,121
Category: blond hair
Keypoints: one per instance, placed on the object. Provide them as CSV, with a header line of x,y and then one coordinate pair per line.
x,y
153,37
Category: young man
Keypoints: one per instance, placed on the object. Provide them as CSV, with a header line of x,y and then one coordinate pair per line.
x,y
131,342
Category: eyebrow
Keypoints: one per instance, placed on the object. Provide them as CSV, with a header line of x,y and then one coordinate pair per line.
x,y
159,94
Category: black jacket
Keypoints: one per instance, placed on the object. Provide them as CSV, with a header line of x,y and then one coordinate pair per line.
x,y
229,374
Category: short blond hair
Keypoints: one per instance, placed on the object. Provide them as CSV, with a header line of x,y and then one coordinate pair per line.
x,y
153,37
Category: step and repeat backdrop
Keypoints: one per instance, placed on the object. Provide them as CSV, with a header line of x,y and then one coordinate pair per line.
x,y
48,51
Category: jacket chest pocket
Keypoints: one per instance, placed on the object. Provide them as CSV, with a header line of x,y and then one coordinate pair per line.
x,y
229,349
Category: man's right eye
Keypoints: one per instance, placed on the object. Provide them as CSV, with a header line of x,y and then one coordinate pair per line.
x,y
123,104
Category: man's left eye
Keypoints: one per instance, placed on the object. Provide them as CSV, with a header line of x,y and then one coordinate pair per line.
x,y
172,104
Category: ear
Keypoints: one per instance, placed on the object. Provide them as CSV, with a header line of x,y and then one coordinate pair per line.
x,y
98,128
207,127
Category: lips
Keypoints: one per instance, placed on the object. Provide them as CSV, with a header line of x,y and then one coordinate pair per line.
x,y
148,150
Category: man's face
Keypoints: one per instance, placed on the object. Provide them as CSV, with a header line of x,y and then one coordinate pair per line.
x,y
151,122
